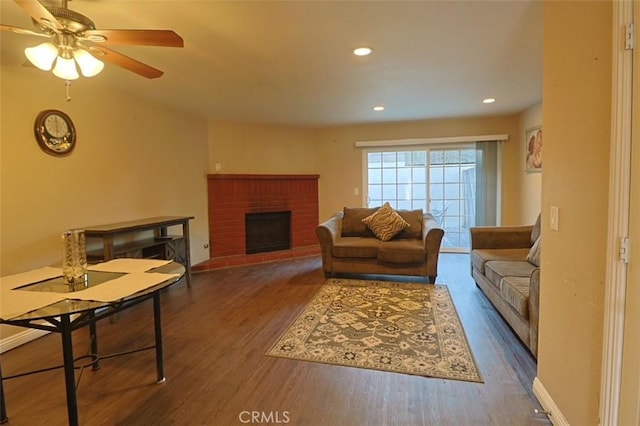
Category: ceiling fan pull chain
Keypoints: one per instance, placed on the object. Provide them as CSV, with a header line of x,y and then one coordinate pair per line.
x,y
67,84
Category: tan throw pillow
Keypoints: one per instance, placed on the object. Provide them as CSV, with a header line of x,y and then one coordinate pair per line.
x,y
534,252
385,223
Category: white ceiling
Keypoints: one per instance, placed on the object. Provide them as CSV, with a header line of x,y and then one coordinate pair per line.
x,y
288,62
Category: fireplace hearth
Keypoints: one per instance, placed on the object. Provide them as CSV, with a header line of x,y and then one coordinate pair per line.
x,y
267,231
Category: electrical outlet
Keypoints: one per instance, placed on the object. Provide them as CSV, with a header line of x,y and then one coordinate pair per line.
x,y
356,191
553,218
218,167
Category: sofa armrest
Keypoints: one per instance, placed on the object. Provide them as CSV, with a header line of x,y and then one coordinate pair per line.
x,y
328,232
534,310
500,237
432,234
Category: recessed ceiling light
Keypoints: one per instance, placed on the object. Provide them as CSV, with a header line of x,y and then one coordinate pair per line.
x,y
488,100
378,108
362,51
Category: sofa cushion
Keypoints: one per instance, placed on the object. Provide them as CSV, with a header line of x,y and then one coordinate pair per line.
x,y
352,225
385,222
356,247
537,229
534,253
496,270
414,219
402,251
515,290
479,257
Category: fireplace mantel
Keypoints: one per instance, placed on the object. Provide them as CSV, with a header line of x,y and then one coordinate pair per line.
x,y
219,176
232,196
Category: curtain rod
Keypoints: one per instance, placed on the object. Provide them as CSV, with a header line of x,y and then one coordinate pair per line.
x,y
426,141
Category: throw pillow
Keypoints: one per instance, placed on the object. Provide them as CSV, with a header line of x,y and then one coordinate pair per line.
x,y
352,225
535,232
385,223
534,252
414,219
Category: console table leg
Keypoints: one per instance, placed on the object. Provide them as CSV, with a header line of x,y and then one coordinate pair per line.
x,y
187,250
69,374
157,322
3,409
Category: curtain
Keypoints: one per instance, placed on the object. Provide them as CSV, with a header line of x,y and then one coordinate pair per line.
x,y
486,183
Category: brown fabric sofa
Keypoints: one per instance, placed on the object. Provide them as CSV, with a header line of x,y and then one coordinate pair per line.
x,y
349,246
501,265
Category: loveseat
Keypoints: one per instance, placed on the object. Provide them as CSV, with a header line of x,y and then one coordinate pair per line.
x,y
505,264
350,246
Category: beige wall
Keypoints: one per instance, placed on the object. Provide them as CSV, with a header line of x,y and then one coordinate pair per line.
x,y
331,153
530,184
341,162
132,160
256,148
576,116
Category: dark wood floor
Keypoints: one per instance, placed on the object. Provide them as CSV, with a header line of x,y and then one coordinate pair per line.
x,y
215,337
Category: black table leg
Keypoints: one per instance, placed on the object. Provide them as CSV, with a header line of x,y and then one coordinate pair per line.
x,y
157,321
69,374
3,409
93,334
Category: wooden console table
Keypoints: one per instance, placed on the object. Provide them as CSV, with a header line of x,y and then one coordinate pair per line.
x,y
161,245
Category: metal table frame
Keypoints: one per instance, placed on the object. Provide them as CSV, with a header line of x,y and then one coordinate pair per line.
x,y
65,325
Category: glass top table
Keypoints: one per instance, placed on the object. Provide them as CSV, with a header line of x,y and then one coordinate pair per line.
x,y
94,278
69,314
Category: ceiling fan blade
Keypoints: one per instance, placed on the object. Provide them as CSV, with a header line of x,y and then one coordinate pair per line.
x,y
126,62
165,38
19,30
40,13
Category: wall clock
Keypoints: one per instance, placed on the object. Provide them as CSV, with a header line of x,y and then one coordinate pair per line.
x,y
55,132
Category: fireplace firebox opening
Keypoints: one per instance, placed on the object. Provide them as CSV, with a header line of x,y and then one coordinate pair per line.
x,y
267,231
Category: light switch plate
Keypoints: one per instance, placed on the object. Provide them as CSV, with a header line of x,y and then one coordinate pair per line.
x,y
553,218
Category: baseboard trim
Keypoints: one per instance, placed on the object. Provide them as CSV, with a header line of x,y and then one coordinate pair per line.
x,y
20,338
556,417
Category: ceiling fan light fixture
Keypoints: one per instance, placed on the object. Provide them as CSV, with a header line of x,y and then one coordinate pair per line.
x,y
42,55
66,69
89,65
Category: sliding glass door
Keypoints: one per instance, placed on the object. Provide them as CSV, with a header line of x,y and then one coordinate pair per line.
x,y
437,180
452,177
399,177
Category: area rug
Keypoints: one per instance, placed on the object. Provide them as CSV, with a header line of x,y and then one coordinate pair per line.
x,y
398,327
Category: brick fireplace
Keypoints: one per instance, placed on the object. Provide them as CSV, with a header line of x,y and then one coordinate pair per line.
x,y
233,196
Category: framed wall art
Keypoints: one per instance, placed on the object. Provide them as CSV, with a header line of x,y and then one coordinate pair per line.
x,y
533,149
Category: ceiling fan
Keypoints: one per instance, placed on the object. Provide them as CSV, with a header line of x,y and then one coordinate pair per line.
x,y
75,39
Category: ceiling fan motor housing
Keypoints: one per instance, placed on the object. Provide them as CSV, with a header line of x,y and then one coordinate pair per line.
x,y
72,21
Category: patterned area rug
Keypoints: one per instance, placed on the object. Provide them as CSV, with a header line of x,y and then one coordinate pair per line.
x,y
399,327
